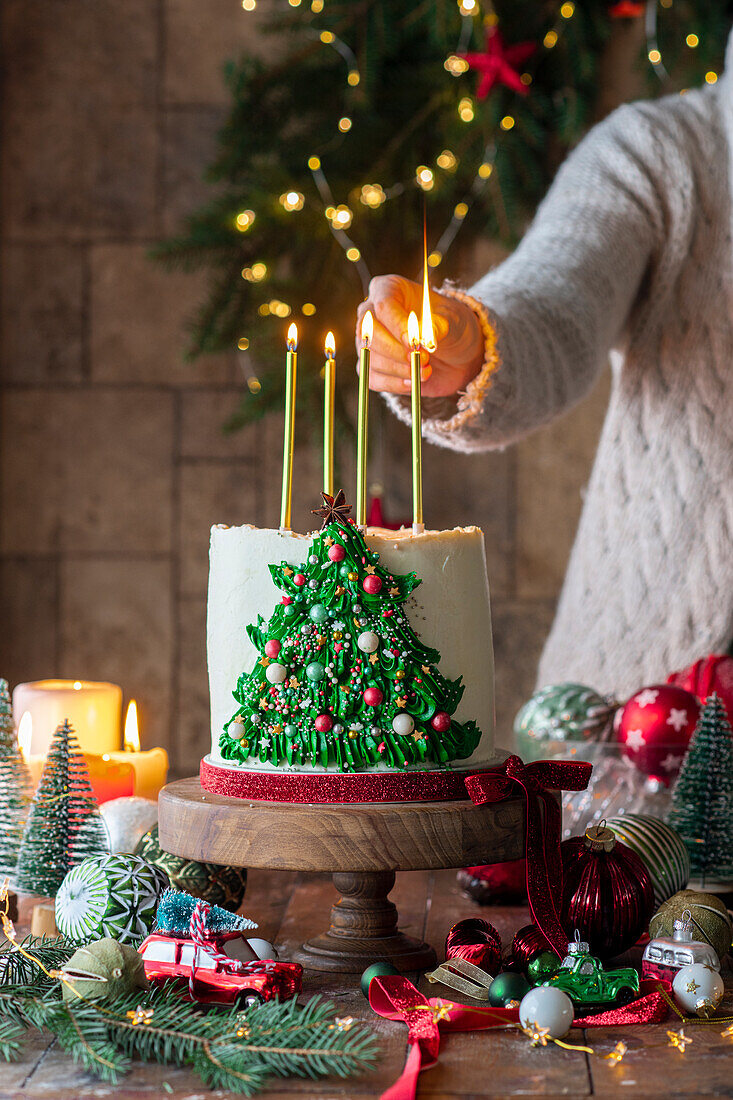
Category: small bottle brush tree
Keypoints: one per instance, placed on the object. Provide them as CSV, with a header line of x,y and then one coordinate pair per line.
x,y
342,679
64,826
702,798
15,787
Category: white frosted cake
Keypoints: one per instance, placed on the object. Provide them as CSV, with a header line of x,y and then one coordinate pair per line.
x,y
329,655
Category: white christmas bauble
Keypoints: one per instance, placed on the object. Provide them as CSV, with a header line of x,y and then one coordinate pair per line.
x,y
368,641
126,820
403,725
698,989
545,1007
262,949
275,673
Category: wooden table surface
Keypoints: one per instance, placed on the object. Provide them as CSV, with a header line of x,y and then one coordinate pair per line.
x,y
290,907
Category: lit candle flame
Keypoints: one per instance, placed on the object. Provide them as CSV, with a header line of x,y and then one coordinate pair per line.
x,y
330,345
77,685
367,328
25,735
132,735
428,336
413,331
293,337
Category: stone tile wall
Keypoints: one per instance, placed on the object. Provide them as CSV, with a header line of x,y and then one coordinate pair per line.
x,y
113,464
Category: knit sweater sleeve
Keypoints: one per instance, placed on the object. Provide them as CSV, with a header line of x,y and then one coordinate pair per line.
x,y
565,296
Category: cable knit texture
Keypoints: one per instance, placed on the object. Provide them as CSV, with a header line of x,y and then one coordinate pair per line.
x,y
629,254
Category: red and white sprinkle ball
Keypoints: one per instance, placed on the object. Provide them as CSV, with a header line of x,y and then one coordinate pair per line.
x,y
272,647
324,722
441,721
372,584
655,727
299,579
337,552
373,697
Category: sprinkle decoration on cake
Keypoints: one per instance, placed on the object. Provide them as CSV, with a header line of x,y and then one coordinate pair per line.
x,y
342,679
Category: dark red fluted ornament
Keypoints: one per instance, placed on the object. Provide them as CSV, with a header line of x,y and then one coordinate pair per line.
x,y
655,726
607,892
477,941
527,943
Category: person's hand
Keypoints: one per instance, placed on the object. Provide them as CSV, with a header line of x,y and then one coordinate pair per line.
x,y
460,345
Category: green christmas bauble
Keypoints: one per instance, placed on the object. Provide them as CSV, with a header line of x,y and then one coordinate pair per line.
x,y
318,613
223,886
507,987
376,970
659,847
102,970
711,921
315,671
561,712
112,896
542,967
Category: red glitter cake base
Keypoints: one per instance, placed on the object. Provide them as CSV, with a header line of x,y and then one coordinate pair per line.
x,y
438,786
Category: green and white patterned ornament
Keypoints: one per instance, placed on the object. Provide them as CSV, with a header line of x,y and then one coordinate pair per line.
x,y
114,896
660,848
223,886
562,712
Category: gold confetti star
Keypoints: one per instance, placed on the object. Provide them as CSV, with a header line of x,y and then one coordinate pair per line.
x,y
339,591
287,571
617,1053
401,701
328,540
425,668
263,704
692,986
373,657
679,1039
264,661
294,682
370,569
538,1035
394,591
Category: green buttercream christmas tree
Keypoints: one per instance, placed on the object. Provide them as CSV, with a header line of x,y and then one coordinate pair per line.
x,y
702,798
342,679
64,826
15,787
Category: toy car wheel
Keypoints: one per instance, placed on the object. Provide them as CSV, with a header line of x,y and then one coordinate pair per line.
x,y
250,999
625,996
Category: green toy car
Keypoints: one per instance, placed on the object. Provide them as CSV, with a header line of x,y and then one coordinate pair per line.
x,y
587,984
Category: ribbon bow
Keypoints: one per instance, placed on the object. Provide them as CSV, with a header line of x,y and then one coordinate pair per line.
x,y
543,828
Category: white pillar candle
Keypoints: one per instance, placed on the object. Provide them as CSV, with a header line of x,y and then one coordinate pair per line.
x,y
93,709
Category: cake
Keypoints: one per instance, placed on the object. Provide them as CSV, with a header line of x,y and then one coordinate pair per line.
x,y
342,652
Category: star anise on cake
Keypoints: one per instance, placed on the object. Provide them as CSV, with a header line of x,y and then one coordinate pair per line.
x,y
334,510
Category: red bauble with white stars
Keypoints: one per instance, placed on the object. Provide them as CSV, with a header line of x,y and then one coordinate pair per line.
x,y
373,697
372,584
272,648
324,722
655,727
440,721
337,552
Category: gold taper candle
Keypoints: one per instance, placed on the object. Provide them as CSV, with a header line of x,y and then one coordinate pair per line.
x,y
329,398
413,335
291,366
362,439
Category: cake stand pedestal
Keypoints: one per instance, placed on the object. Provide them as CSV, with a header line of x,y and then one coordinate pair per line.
x,y
362,844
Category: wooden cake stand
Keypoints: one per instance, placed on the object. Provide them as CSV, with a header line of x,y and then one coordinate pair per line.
x,y
361,844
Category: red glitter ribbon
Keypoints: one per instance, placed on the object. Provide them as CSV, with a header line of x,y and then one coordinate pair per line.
x,y
543,828
396,998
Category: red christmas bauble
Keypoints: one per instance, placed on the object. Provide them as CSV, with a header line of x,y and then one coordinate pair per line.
x,y
713,673
324,723
607,892
496,883
477,941
440,721
527,943
299,579
337,552
272,648
655,727
372,584
373,697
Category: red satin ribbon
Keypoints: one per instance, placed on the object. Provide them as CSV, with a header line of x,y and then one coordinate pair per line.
x,y
543,828
396,998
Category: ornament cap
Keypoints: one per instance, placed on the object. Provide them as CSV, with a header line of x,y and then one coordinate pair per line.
x,y
682,928
599,838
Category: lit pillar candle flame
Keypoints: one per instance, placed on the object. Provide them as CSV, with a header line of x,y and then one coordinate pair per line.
x,y
131,739
413,336
291,363
329,402
367,332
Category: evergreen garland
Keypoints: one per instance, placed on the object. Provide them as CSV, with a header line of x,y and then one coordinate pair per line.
x,y
702,797
365,110
64,825
15,787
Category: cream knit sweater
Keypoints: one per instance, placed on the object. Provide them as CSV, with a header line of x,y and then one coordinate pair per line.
x,y
629,254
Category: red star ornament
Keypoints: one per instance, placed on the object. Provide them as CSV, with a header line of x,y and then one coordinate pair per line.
x,y
497,64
